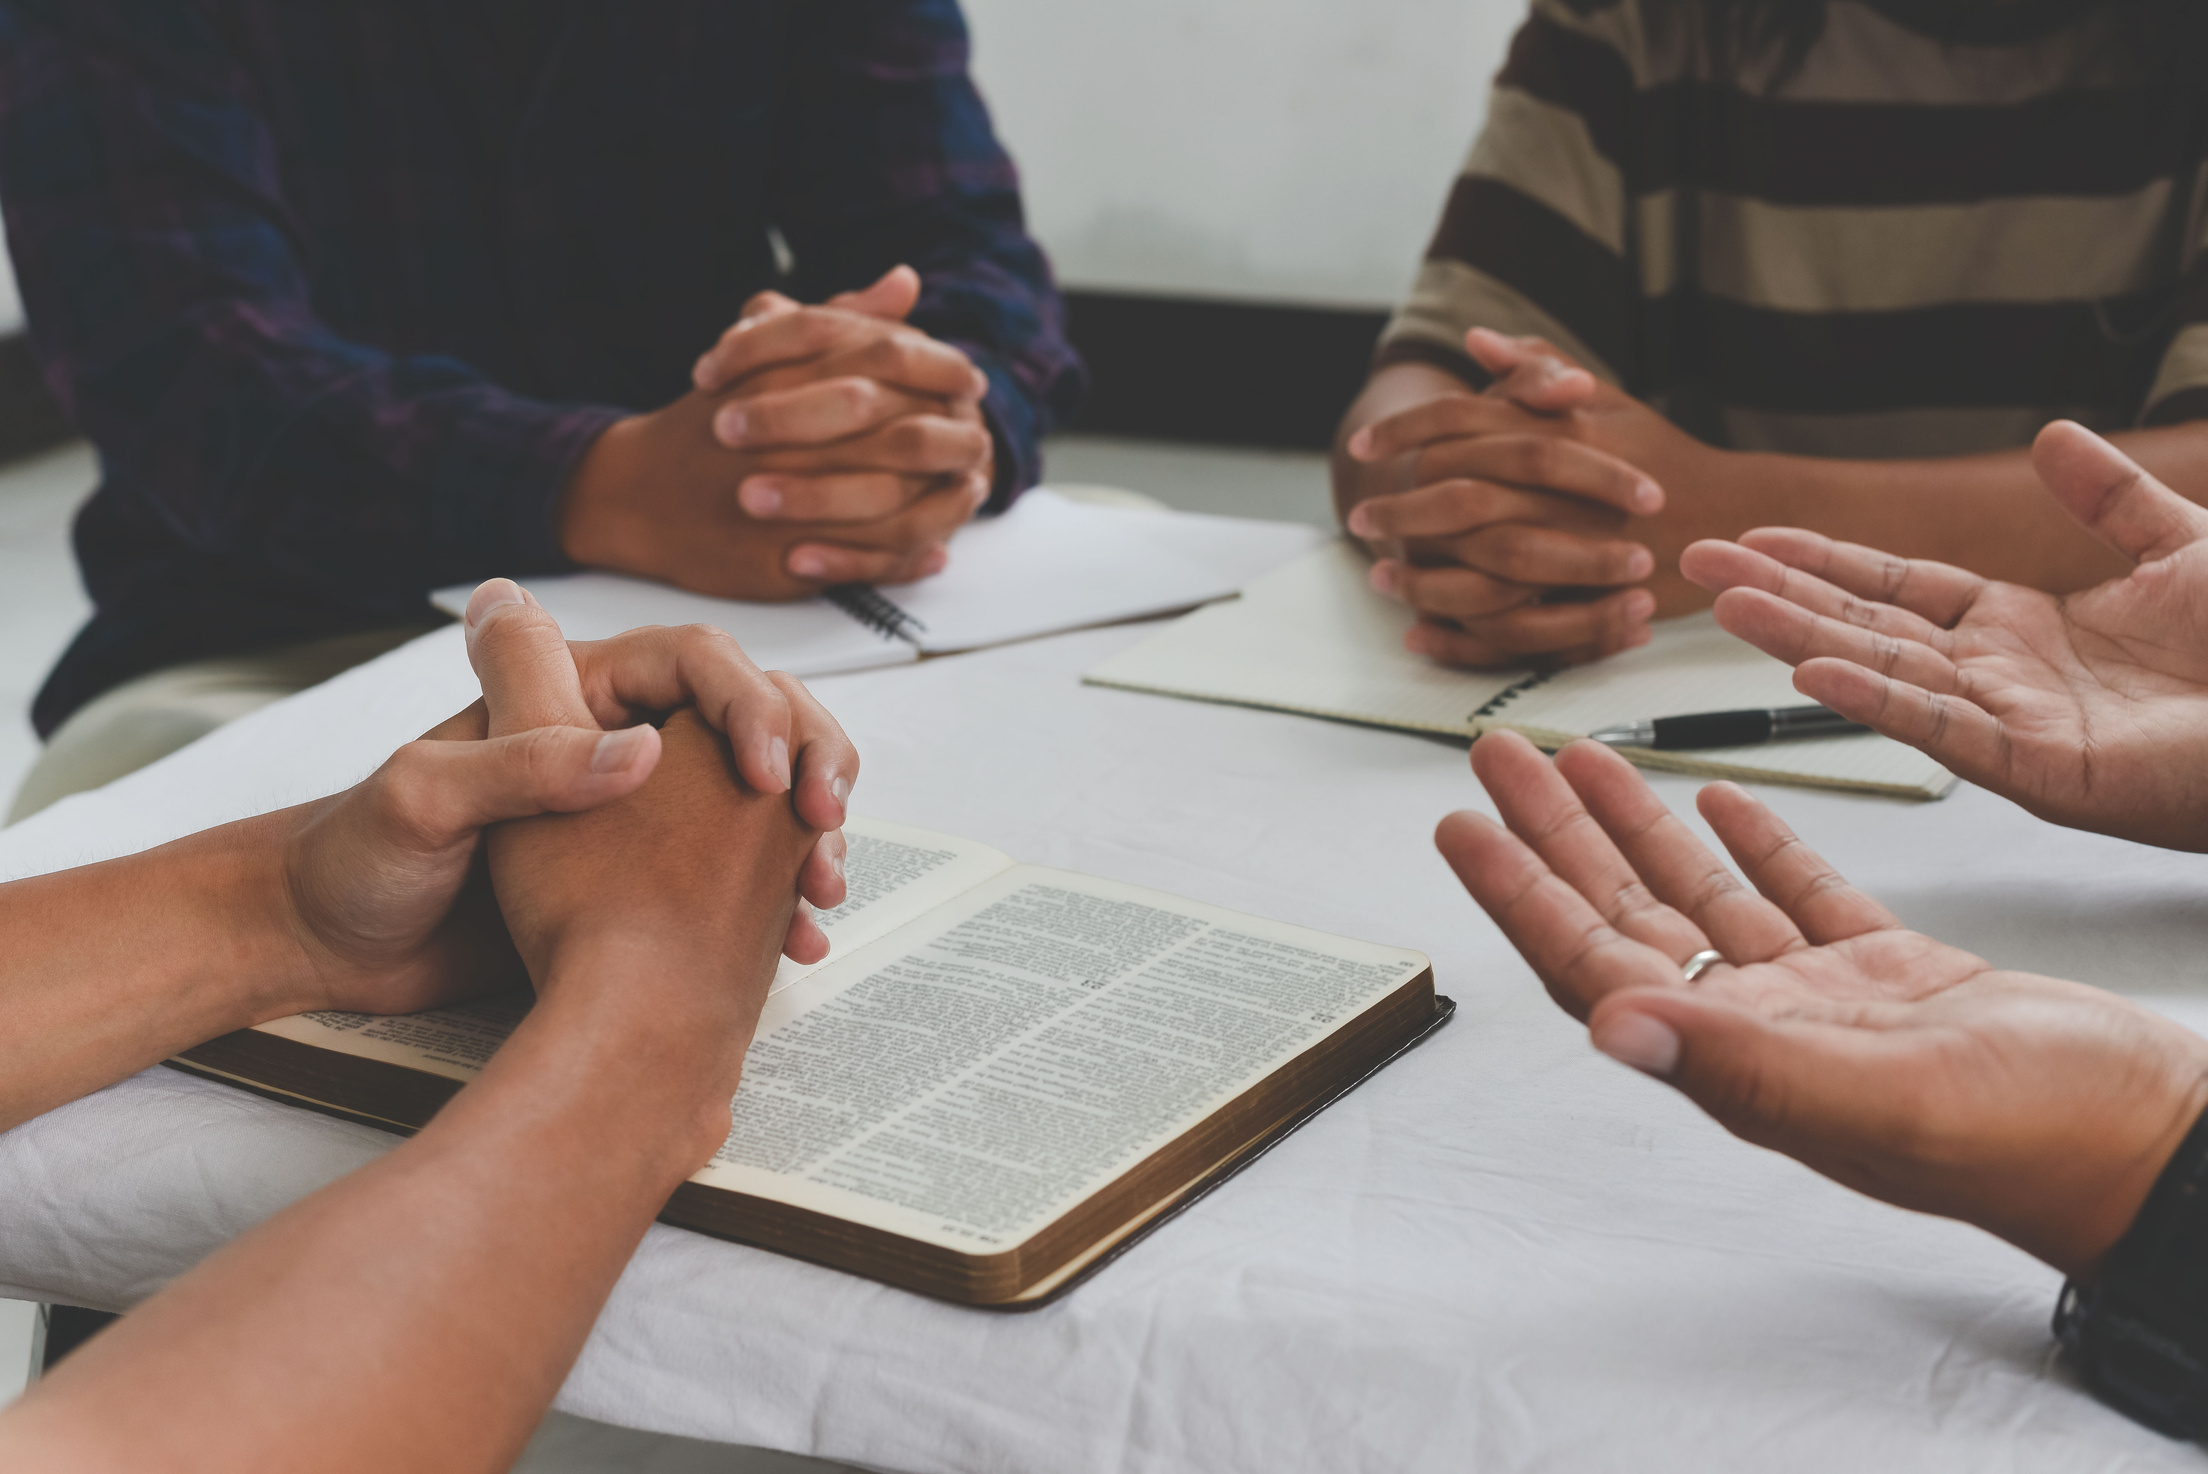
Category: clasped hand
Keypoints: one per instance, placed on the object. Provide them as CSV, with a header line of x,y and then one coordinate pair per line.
x,y
386,886
820,445
1528,519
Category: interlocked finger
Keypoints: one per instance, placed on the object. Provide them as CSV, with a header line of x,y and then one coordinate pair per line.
x,y
1543,461
1445,509
663,667
809,414
1450,593
1568,632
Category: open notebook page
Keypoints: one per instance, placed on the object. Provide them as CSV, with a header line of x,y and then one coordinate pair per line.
x,y
1045,566
1309,637
1312,637
1051,564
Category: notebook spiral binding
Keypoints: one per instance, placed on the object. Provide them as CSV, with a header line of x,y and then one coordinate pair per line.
x,y
874,609
1502,699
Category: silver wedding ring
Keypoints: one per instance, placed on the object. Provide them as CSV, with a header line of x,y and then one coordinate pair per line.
x,y
1700,963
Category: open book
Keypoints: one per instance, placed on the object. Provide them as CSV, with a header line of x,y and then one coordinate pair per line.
x,y
1312,637
1000,1076
1047,565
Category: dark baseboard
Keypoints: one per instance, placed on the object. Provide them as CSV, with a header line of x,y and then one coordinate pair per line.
x,y
30,420
1240,373
1167,368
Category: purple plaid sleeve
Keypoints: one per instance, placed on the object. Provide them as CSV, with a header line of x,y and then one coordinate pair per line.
x,y
171,308
888,156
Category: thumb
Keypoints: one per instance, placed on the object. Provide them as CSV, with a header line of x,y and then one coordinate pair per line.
x,y
445,791
2115,498
1804,1088
522,659
893,296
1529,372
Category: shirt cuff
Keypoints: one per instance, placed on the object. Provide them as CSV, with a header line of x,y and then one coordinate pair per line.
x,y
495,490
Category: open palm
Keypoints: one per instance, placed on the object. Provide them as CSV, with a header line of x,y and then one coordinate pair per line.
x,y
2089,709
2039,1109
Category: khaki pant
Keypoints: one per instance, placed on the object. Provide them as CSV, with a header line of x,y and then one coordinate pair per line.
x,y
122,730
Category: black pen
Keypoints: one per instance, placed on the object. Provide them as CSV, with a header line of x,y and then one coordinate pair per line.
x,y
1728,728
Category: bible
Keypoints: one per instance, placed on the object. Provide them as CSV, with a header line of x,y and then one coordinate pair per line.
x,y
999,1078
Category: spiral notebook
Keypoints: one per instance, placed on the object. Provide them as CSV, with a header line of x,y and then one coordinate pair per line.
x,y
1313,638
1048,565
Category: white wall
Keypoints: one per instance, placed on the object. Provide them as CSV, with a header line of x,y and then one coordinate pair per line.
x,y
1291,150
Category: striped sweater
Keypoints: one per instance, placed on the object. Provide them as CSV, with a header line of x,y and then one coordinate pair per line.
x,y
1909,246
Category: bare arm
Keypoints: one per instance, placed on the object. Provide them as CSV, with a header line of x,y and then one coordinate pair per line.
x,y
421,1313
374,899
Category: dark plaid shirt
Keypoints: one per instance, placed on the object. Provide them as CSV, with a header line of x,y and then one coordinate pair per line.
x,y
342,290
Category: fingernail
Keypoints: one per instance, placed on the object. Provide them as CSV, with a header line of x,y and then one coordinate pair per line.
x,y
840,786
778,760
618,750
936,561
1638,636
1360,520
981,385
1640,563
1646,1044
805,563
1648,497
761,496
1414,640
1640,605
1360,444
697,371
728,427
1382,577
492,594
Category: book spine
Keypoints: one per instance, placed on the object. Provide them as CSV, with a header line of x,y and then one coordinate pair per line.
x,y
874,609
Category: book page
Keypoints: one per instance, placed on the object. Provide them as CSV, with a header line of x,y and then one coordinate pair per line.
x,y
893,873
968,1079
1313,638
1691,665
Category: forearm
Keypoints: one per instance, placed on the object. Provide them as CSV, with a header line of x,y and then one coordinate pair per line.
x,y
421,1312
1988,513
113,967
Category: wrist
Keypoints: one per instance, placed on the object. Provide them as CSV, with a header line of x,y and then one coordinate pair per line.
x,y
662,1025
593,526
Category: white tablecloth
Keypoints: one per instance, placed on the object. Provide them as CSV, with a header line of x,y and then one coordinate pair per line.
x,y
1503,1253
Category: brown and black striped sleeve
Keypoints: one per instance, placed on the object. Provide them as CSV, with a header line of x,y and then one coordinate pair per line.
x,y
1534,238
